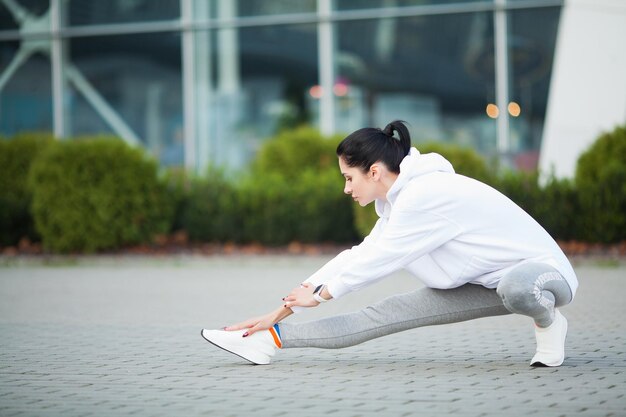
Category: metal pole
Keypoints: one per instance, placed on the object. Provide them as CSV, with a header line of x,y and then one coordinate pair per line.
x,y
205,151
326,67
502,80
189,97
58,79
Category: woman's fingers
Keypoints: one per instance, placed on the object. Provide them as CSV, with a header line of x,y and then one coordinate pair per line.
x,y
251,331
261,325
243,325
300,296
236,327
299,288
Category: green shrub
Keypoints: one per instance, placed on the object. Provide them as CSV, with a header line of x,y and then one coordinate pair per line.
x,y
179,185
267,209
95,194
295,192
464,160
601,183
211,208
276,210
16,158
324,211
364,218
558,211
293,151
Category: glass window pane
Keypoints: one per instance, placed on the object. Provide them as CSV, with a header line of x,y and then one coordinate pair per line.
x,y
253,83
375,4
10,12
435,72
531,38
26,94
128,82
275,7
89,12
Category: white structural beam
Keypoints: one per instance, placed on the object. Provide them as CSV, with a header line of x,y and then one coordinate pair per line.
x,y
502,79
20,57
100,105
50,22
588,85
228,71
203,88
188,73
29,24
326,67
57,59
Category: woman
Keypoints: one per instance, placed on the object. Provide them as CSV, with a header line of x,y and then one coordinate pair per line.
x,y
477,252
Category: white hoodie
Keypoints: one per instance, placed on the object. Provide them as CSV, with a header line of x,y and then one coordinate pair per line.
x,y
447,230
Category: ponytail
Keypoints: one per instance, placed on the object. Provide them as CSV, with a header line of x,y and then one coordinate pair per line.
x,y
369,145
403,134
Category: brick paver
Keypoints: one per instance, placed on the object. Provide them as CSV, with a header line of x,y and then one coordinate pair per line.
x,y
121,337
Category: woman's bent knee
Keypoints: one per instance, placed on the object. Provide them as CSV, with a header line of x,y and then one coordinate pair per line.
x,y
532,285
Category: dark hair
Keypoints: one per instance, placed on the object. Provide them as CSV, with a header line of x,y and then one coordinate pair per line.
x,y
369,145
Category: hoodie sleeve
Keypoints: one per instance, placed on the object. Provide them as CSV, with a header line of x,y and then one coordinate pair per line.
x,y
338,263
407,236
333,267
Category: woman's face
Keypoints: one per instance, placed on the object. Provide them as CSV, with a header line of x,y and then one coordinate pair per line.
x,y
361,187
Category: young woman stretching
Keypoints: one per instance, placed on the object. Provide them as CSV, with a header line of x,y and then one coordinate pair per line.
x,y
477,252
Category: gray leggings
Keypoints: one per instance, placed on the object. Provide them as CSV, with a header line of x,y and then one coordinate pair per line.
x,y
532,289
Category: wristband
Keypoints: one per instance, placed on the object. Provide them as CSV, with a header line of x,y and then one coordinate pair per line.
x,y
317,294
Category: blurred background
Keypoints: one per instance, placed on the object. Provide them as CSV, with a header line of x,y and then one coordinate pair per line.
x,y
200,82
528,85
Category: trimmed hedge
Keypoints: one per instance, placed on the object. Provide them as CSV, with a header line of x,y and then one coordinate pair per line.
x,y
601,184
211,210
292,152
294,192
95,194
87,195
311,208
16,158
559,212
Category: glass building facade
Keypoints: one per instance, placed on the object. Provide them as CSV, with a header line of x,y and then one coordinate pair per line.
x,y
205,82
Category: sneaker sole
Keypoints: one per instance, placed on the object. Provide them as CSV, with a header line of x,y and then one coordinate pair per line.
x,y
230,351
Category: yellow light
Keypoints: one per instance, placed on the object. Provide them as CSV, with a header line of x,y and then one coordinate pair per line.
x,y
514,109
492,110
316,91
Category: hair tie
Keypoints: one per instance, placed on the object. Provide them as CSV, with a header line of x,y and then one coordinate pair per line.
x,y
388,130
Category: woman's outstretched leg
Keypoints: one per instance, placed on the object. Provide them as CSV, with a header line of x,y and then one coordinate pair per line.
x,y
423,307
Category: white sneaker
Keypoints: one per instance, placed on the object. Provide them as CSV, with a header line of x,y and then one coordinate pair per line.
x,y
257,348
551,342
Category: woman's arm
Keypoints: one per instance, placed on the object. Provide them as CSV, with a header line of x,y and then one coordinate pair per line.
x,y
263,322
300,296
334,267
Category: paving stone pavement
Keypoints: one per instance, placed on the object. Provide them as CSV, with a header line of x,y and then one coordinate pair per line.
x,y
120,337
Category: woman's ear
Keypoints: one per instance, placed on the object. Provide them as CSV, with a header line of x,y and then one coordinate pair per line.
x,y
375,172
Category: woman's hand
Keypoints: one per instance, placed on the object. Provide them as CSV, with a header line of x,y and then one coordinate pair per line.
x,y
301,296
261,322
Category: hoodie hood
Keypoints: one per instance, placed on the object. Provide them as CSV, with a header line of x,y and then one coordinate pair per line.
x,y
413,165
